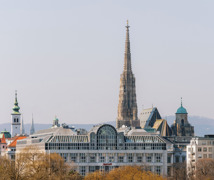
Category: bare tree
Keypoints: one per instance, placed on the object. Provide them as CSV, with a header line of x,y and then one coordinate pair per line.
x,y
179,171
205,169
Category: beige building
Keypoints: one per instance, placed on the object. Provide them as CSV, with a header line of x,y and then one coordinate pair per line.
x,y
199,148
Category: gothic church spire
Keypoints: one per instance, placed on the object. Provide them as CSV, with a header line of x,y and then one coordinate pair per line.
x,y
22,128
127,107
32,129
127,57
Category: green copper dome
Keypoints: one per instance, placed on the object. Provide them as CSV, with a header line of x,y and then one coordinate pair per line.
x,y
16,105
181,110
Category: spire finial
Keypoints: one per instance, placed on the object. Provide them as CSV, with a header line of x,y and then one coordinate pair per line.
x,y
16,96
127,26
181,102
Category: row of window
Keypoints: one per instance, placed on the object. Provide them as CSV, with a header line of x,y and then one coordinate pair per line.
x,y
205,156
204,149
87,146
111,157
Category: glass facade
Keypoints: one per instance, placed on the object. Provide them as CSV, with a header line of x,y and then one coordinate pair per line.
x,y
105,148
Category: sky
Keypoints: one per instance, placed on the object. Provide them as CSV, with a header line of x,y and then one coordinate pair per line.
x,y
65,57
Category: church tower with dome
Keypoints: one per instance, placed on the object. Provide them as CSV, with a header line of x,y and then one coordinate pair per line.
x,y
181,126
16,118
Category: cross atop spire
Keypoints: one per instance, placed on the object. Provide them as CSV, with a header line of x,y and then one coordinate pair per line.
x,y
127,24
127,58
181,102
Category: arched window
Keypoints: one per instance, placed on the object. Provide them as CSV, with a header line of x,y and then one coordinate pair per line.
x,y
106,138
14,119
182,122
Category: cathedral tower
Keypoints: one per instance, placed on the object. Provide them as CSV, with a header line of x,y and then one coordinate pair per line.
x,y
16,118
127,107
181,126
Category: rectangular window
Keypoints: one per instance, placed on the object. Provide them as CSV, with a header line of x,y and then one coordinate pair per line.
x,y
102,157
177,159
210,149
92,157
169,159
82,170
148,158
130,158
73,157
139,159
204,149
204,155
158,158
204,143
82,157
199,149
111,157
183,158
120,159
158,170
92,168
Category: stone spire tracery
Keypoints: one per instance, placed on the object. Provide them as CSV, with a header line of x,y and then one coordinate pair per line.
x,y
22,129
32,129
127,107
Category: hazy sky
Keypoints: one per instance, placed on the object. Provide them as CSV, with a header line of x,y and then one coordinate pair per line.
x,y
65,57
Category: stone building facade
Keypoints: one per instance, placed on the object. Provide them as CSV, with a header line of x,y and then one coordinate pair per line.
x,y
199,148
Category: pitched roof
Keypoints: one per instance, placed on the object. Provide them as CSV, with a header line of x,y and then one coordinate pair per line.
x,y
162,126
13,143
148,117
3,140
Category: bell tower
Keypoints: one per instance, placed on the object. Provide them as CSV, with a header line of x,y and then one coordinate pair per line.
x,y
15,118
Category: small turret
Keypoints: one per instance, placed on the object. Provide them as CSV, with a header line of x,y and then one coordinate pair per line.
x,y
32,129
55,122
22,129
